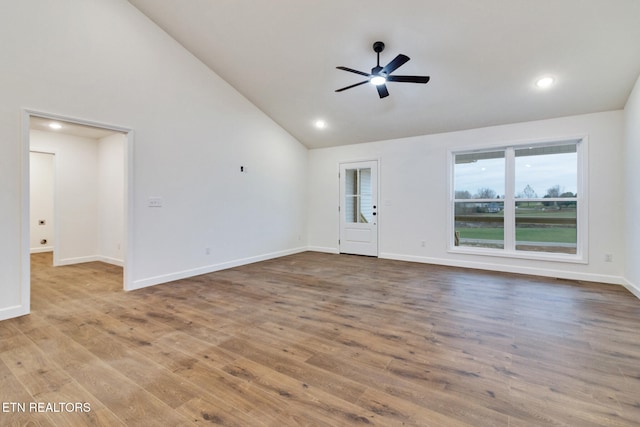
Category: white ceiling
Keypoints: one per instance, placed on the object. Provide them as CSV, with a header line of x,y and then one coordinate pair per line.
x,y
483,57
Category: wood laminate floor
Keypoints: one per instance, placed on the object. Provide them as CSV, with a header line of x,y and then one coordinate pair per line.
x,y
321,340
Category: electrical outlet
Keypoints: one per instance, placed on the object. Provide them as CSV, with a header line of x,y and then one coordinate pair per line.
x,y
423,243
608,257
207,251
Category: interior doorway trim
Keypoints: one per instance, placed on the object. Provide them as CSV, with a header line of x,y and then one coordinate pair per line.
x,y
27,114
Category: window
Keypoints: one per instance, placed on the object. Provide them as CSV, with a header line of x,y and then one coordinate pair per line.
x,y
519,201
479,199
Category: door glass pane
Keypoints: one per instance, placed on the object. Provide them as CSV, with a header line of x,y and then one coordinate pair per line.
x,y
479,224
358,196
366,207
351,182
351,209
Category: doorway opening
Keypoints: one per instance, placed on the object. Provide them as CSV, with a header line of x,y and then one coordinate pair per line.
x,y
76,194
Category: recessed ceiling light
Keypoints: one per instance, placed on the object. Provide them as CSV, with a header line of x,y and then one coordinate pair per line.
x,y
320,124
54,125
544,82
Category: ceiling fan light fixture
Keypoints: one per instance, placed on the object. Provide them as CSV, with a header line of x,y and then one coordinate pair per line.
x,y
378,80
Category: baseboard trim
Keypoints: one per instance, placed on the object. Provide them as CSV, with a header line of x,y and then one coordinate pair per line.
x,y
13,311
323,249
41,249
165,278
112,261
77,260
91,258
635,290
534,271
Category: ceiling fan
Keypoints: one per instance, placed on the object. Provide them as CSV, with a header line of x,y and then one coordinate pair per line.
x,y
380,75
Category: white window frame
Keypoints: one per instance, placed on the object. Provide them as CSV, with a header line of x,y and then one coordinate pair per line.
x,y
509,251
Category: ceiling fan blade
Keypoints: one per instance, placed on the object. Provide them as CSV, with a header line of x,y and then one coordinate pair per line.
x,y
395,64
408,79
349,87
382,90
351,70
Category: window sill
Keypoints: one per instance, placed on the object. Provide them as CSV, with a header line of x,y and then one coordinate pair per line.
x,y
534,256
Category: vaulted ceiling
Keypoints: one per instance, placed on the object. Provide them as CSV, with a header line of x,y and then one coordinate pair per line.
x,y
483,57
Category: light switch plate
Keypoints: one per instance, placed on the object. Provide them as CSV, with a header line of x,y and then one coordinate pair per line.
x,y
154,202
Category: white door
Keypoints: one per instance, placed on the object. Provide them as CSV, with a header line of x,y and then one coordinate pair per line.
x,y
359,208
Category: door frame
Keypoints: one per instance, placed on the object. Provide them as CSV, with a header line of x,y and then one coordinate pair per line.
x,y
341,202
25,205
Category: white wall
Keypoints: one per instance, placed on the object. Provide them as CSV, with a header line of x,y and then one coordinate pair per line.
x,y
631,155
103,61
413,195
76,194
111,197
41,199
